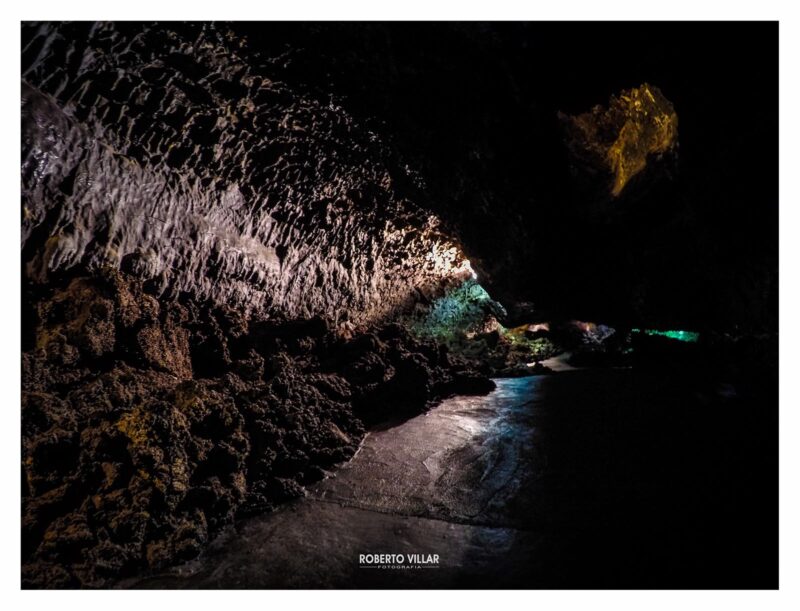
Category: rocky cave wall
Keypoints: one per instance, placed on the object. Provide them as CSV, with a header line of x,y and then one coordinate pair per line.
x,y
160,151
689,243
209,261
465,120
218,219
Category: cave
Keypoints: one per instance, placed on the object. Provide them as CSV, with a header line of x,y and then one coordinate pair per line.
x,y
399,305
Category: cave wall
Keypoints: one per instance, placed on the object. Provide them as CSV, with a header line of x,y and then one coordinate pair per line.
x,y
475,106
208,260
149,426
218,218
459,120
157,150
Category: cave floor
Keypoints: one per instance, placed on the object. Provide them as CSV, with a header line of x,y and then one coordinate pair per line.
x,y
581,479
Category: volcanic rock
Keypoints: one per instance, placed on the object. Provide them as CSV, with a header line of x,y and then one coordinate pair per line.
x,y
617,141
149,426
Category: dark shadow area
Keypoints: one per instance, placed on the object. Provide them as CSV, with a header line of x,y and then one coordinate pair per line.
x,y
474,108
653,482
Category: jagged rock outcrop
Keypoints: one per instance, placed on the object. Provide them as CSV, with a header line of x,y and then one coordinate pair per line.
x,y
148,426
157,150
466,320
616,141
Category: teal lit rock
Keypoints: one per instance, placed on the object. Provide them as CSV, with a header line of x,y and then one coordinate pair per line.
x,y
681,336
463,310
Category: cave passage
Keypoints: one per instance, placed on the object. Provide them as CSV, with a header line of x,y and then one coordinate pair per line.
x,y
585,479
297,295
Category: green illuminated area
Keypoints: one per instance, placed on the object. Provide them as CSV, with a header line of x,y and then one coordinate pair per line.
x,y
462,310
466,318
681,336
537,348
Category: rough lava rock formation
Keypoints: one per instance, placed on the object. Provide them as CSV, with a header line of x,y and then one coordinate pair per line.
x,y
210,263
150,425
244,244
167,156
689,243
617,141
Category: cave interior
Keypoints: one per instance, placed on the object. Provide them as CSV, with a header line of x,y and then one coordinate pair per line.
x,y
247,245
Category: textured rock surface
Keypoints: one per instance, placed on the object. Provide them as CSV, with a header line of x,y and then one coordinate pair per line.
x,y
687,244
209,258
162,153
464,117
466,320
217,221
149,426
618,140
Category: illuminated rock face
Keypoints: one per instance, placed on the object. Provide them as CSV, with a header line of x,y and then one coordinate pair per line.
x,y
163,153
193,232
619,139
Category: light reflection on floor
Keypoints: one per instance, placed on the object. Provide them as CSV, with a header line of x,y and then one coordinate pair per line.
x,y
606,478
437,483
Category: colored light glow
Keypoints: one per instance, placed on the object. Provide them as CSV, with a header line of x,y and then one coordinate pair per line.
x,y
681,336
461,310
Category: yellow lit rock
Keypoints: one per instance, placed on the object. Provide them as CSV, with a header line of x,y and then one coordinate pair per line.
x,y
134,425
638,123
